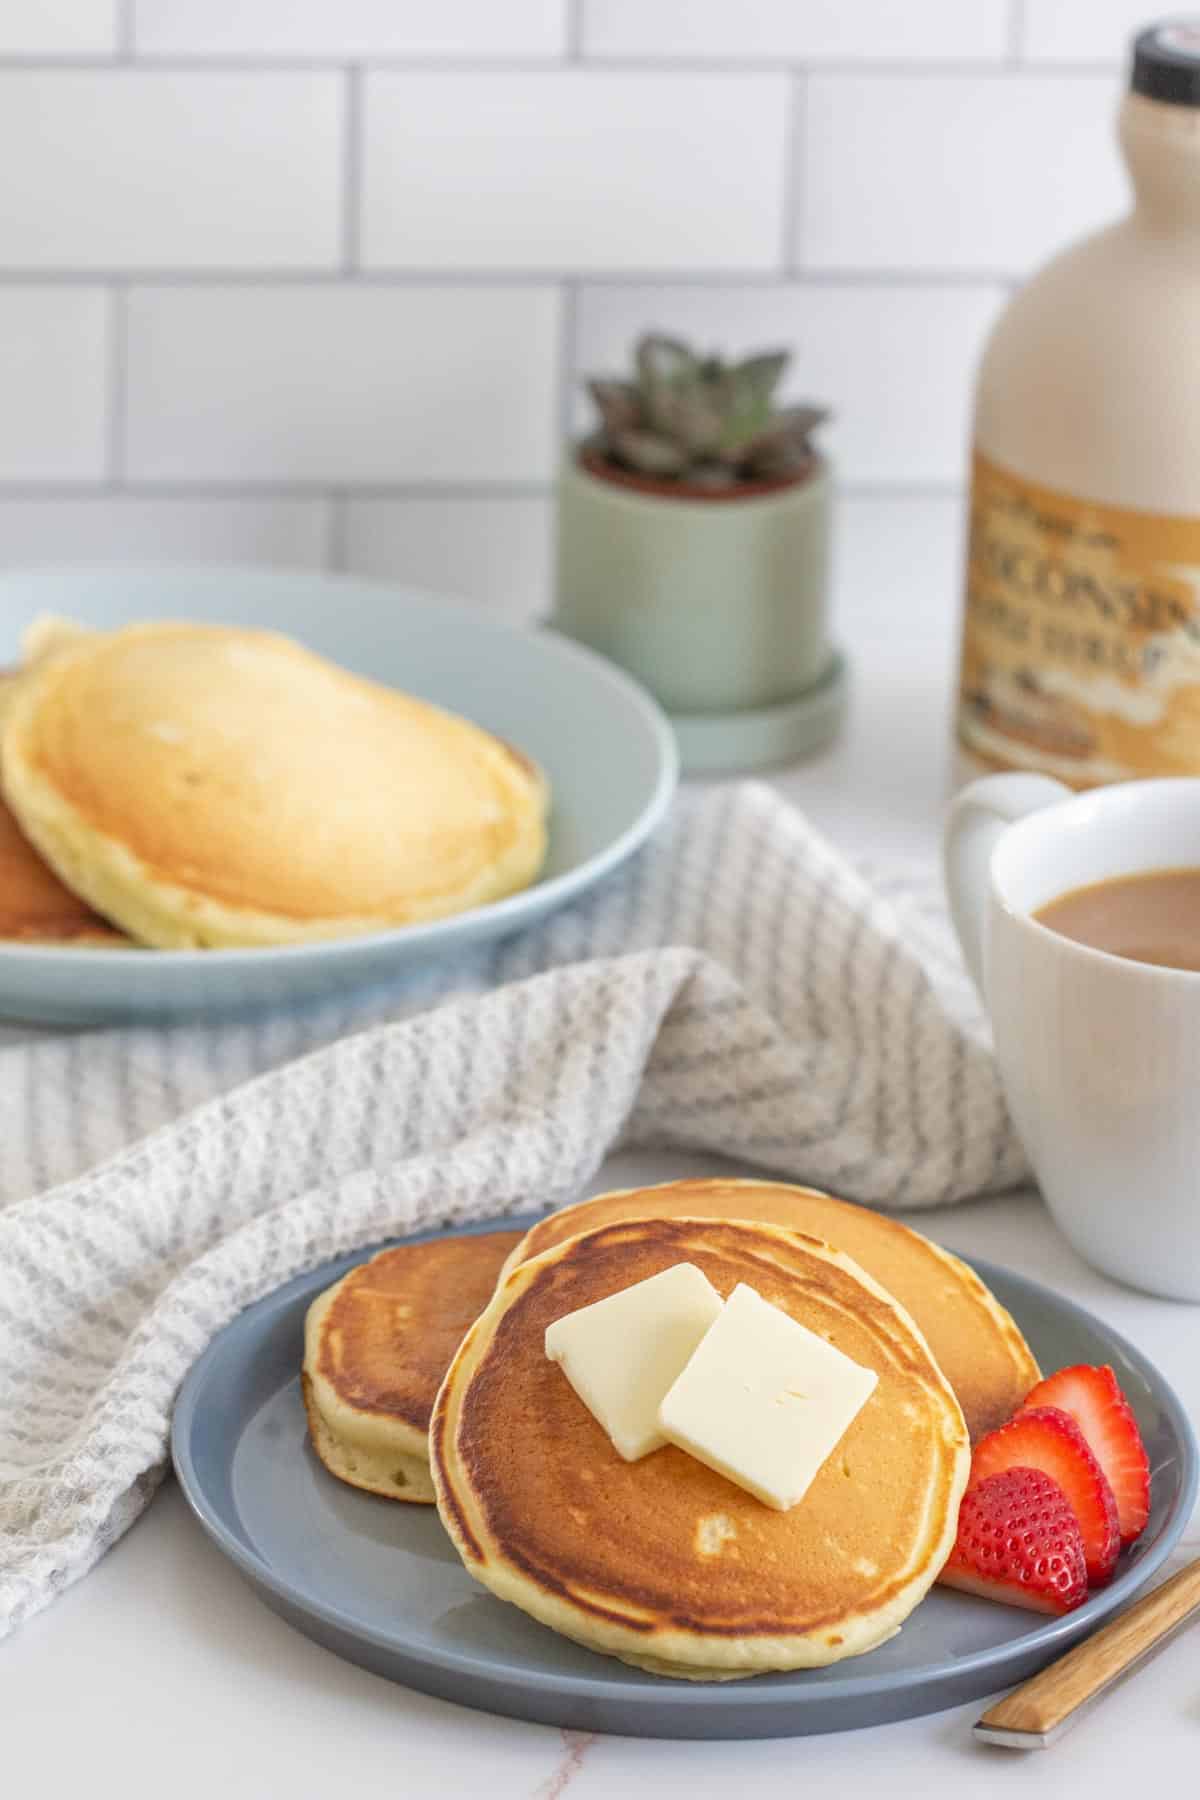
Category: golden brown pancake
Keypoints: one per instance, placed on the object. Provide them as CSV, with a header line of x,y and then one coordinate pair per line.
x,y
35,907
49,633
376,1346
977,1343
201,785
663,1562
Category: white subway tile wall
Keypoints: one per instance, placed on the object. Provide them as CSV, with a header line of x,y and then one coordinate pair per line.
x,y
58,27
494,550
590,169
54,370
341,384
313,284
170,169
350,28
978,172
1086,31
126,527
806,30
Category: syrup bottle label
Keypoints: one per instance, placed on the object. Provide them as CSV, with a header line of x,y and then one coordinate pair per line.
x,y
1081,635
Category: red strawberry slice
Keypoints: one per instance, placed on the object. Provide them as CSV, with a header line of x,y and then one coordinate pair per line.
x,y
1048,1439
1019,1541
1094,1400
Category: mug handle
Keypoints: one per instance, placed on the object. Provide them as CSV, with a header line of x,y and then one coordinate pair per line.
x,y
976,822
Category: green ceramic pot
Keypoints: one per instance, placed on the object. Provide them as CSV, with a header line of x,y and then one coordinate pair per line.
x,y
718,605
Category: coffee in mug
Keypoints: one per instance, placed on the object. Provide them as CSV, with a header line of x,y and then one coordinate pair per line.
x,y
1153,917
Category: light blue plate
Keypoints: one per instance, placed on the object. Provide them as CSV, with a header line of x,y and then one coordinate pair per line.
x,y
604,744
378,1582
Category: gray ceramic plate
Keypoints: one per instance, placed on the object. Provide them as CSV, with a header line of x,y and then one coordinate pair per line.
x,y
378,1582
605,745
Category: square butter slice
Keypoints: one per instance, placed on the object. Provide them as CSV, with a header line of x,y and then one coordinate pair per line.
x,y
764,1400
622,1354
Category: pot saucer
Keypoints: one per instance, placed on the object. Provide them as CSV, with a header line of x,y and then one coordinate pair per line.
x,y
731,742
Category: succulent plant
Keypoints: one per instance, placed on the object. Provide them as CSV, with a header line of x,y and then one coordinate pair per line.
x,y
701,420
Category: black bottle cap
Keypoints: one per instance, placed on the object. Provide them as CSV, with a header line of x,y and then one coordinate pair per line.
x,y
1166,62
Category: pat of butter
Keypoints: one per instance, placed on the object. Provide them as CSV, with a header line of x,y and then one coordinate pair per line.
x,y
622,1354
764,1401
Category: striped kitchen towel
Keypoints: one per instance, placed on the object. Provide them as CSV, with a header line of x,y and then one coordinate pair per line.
x,y
739,988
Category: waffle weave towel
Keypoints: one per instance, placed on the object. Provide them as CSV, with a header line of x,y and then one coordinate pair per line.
x,y
738,988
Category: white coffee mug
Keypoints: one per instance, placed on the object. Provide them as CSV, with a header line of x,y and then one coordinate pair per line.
x,y
1099,1055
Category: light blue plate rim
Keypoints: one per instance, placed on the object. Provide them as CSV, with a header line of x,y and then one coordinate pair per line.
x,y
546,895
781,1694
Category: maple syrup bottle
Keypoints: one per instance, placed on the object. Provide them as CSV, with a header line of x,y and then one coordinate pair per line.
x,y
1081,631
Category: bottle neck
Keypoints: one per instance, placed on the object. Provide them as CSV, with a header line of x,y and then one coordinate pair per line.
x,y
1161,146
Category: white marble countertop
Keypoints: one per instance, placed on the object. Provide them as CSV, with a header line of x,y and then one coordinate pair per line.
x,y
161,1672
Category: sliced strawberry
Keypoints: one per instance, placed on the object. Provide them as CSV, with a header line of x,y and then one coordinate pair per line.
x,y
1094,1400
1048,1439
1019,1541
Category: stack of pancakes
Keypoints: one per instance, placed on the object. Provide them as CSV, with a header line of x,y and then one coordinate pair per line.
x,y
663,1562
181,786
376,1346
35,906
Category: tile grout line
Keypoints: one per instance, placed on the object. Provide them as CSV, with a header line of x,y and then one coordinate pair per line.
x,y
552,63
351,193
848,67
1016,33
200,279
117,382
125,44
336,525
794,173
202,489
573,38
567,345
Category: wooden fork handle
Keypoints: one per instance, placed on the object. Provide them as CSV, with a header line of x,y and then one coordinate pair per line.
x,y
1036,1713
